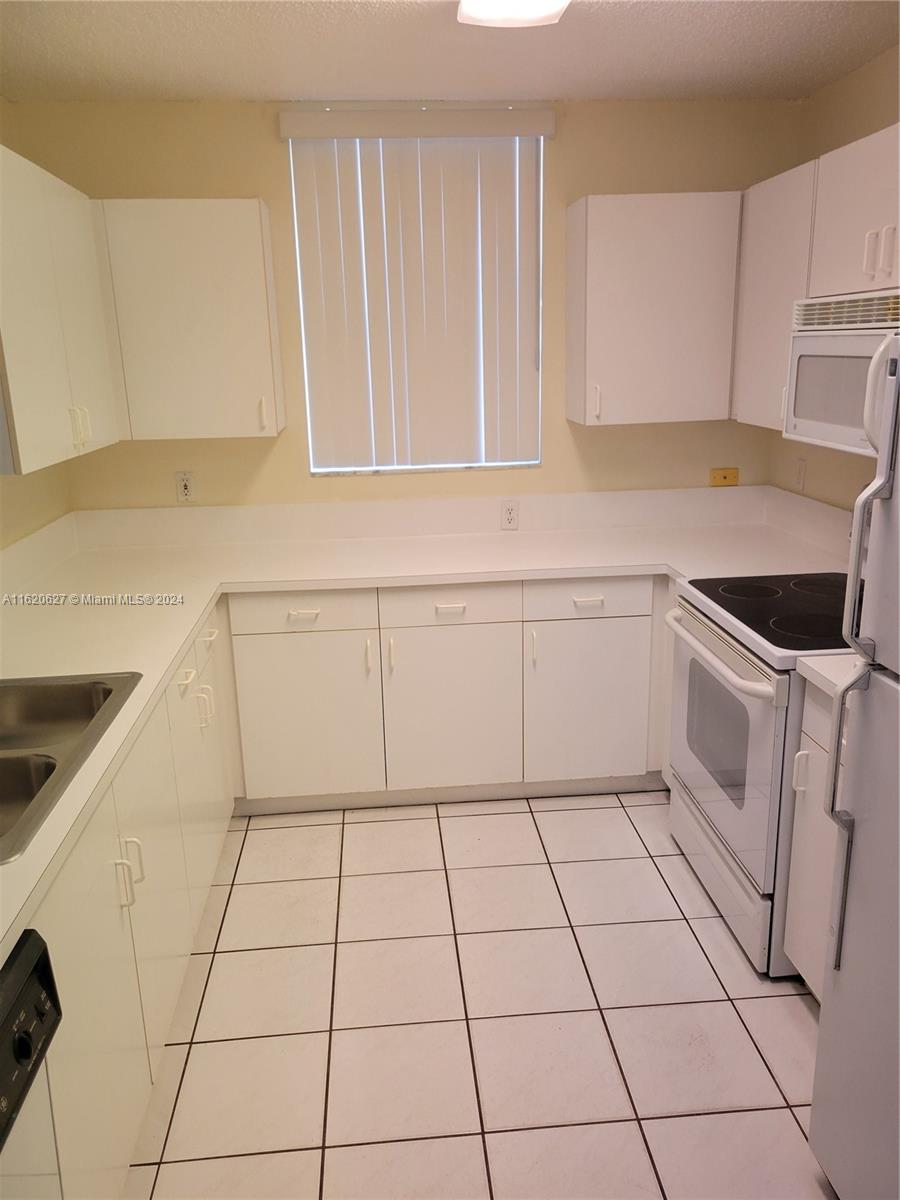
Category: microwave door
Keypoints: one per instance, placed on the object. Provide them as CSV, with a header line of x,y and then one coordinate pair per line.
x,y
827,383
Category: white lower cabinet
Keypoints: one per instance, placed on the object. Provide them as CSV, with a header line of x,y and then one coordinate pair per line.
x,y
586,697
310,712
453,705
150,828
97,1065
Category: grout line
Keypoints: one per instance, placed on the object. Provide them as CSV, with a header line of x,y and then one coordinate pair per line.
x,y
462,988
337,918
612,1044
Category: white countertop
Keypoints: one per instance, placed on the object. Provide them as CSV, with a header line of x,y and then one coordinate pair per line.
x,y
75,639
828,672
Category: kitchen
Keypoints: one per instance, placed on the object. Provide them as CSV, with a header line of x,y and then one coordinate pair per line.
x,y
448,703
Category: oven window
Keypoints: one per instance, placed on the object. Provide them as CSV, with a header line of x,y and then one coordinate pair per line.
x,y
831,389
718,731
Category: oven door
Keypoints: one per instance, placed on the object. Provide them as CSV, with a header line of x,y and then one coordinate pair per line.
x,y
827,383
727,746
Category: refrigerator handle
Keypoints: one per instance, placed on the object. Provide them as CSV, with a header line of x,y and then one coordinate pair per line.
x,y
858,681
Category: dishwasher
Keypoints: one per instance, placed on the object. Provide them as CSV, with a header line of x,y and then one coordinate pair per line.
x,y
29,1017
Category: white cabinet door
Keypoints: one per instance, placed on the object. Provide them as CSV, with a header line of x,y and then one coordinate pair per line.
x,y
813,849
150,827
199,757
453,705
310,707
855,229
196,313
98,1069
37,396
651,312
587,691
776,226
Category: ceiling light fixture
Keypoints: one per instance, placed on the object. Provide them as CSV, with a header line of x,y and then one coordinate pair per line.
x,y
510,14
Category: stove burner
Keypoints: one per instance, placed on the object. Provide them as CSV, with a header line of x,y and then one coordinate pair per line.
x,y
818,585
810,626
750,591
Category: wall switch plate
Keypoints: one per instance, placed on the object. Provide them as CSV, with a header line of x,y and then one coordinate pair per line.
x,y
509,515
724,476
184,483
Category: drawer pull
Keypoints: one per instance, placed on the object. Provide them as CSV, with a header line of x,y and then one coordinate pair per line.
x,y
579,601
302,614
391,655
128,875
534,647
189,676
205,708
136,842
368,656
209,636
801,768
450,608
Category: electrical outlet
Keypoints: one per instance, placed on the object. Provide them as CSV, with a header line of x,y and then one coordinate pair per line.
x,y
184,484
509,516
723,476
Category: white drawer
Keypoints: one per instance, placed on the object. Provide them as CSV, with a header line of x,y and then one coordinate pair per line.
x,y
303,612
558,599
450,604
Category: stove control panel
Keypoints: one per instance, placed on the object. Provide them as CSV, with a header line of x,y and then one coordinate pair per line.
x,y
29,1015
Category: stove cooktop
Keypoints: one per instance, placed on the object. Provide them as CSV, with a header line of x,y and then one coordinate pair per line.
x,y
793,612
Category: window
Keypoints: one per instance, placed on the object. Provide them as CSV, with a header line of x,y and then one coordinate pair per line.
x,y
419,268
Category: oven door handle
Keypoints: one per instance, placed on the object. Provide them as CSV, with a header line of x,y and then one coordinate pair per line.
x,y
759,691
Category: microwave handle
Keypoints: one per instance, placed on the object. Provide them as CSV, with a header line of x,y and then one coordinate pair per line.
x,y
873,381
759,691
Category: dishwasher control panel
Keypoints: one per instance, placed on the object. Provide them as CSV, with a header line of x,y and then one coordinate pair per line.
x,y
29,1015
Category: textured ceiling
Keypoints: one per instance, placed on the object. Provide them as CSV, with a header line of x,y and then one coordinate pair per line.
x,y
415,49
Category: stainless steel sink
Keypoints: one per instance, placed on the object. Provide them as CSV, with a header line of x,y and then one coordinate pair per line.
x,y
48,727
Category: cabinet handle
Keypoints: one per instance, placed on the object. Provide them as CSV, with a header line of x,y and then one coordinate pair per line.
x,y
870,251
209,636
296,614
205,708
189,676
801,768
128,872
368,656
581,600
886,257
210,695
391,660
534,647
87,430
136,842
597,402
446,608
77,432
263,416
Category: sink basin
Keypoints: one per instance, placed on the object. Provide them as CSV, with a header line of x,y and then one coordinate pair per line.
x,y
48,727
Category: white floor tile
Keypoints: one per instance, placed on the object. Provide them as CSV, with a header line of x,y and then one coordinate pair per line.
x,y
396,812
296,913
491,841
634,799
785,1028
138,1183
295,820
249,1096
379,847
686,887
652,823
293,1176
589,833
538,970
735,1156
801,1112
231,851
152,1135
689,1058
605,1162
482,808
438,1168
211,920
733,966
489,898
404,1081
547,1070
553,803
651,962
390,906
188,1006
267,991
614,890
395,982
270,855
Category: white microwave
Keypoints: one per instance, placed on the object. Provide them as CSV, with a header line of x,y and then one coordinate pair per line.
x,y
841,352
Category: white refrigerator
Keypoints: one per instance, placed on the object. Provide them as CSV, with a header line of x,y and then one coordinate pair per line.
x,y
855,1120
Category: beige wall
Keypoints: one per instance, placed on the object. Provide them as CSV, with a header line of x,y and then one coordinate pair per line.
x,y
126,149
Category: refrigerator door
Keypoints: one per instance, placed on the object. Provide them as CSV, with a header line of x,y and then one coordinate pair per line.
x,y
855,1111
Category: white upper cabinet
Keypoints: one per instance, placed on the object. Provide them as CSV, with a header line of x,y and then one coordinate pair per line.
x,y
62,382
855,230
776,226
650,307
196,309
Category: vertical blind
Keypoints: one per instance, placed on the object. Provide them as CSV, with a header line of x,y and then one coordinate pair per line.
x,y
419,267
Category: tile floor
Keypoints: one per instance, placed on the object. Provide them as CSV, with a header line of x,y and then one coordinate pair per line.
x,y
502,1000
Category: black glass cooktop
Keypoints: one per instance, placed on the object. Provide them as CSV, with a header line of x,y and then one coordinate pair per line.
x,y
794,612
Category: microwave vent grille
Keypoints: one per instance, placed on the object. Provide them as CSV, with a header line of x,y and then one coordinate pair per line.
x,y
869,311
